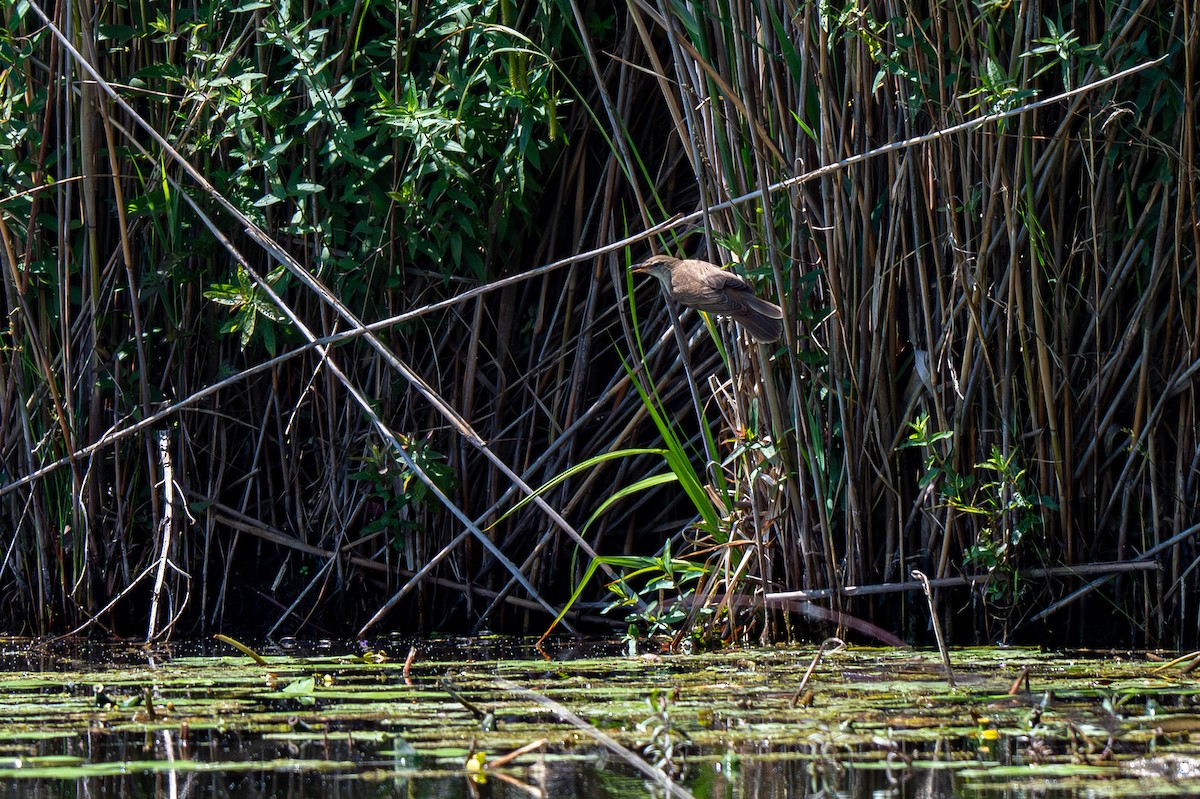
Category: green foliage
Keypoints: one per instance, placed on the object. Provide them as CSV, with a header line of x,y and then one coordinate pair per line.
x,y
1011,510
999,89
396,489
423,144
474,134
1072,57
659,590
936,469
254,313
1004,503
886,43
660,600
22,100
662,573
663,736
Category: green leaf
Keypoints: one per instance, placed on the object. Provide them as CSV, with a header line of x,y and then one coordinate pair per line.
x,y
303,685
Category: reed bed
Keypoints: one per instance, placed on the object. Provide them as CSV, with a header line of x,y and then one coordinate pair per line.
x,y
409,308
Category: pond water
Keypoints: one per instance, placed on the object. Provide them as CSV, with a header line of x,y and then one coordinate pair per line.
x,y
354,720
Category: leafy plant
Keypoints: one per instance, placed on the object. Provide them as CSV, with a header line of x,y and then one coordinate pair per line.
x,y
395,489
425,146
1004,502
1011,510
664,736
937,468
664,573
665,595
475,133
999,89
1068,54
886,44
254,313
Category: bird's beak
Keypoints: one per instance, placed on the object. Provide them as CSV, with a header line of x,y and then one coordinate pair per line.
x,y
639,268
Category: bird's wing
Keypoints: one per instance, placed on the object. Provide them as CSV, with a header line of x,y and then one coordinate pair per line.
x,y
741,295
727,281
738,296
723,292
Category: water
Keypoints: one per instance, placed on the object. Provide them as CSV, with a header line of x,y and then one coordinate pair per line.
x,y
350,720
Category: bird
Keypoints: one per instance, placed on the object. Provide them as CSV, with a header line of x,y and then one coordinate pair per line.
x,y
707,287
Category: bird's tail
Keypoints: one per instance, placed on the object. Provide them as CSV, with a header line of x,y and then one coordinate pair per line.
x,y
764,307
763,327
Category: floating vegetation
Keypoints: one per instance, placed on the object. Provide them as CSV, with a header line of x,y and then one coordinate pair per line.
x,y
1018,720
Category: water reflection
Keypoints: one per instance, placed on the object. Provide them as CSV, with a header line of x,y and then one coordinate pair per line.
x,y
327,721
275,770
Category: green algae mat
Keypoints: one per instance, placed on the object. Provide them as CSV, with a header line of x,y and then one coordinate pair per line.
x,y
492,717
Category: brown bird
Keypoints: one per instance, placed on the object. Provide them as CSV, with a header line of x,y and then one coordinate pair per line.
x,y
706,287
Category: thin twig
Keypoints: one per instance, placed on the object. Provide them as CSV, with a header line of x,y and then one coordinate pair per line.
x,y
963,582
658,775
937,626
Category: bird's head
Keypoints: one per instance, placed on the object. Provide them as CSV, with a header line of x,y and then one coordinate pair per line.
x,y
658,265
